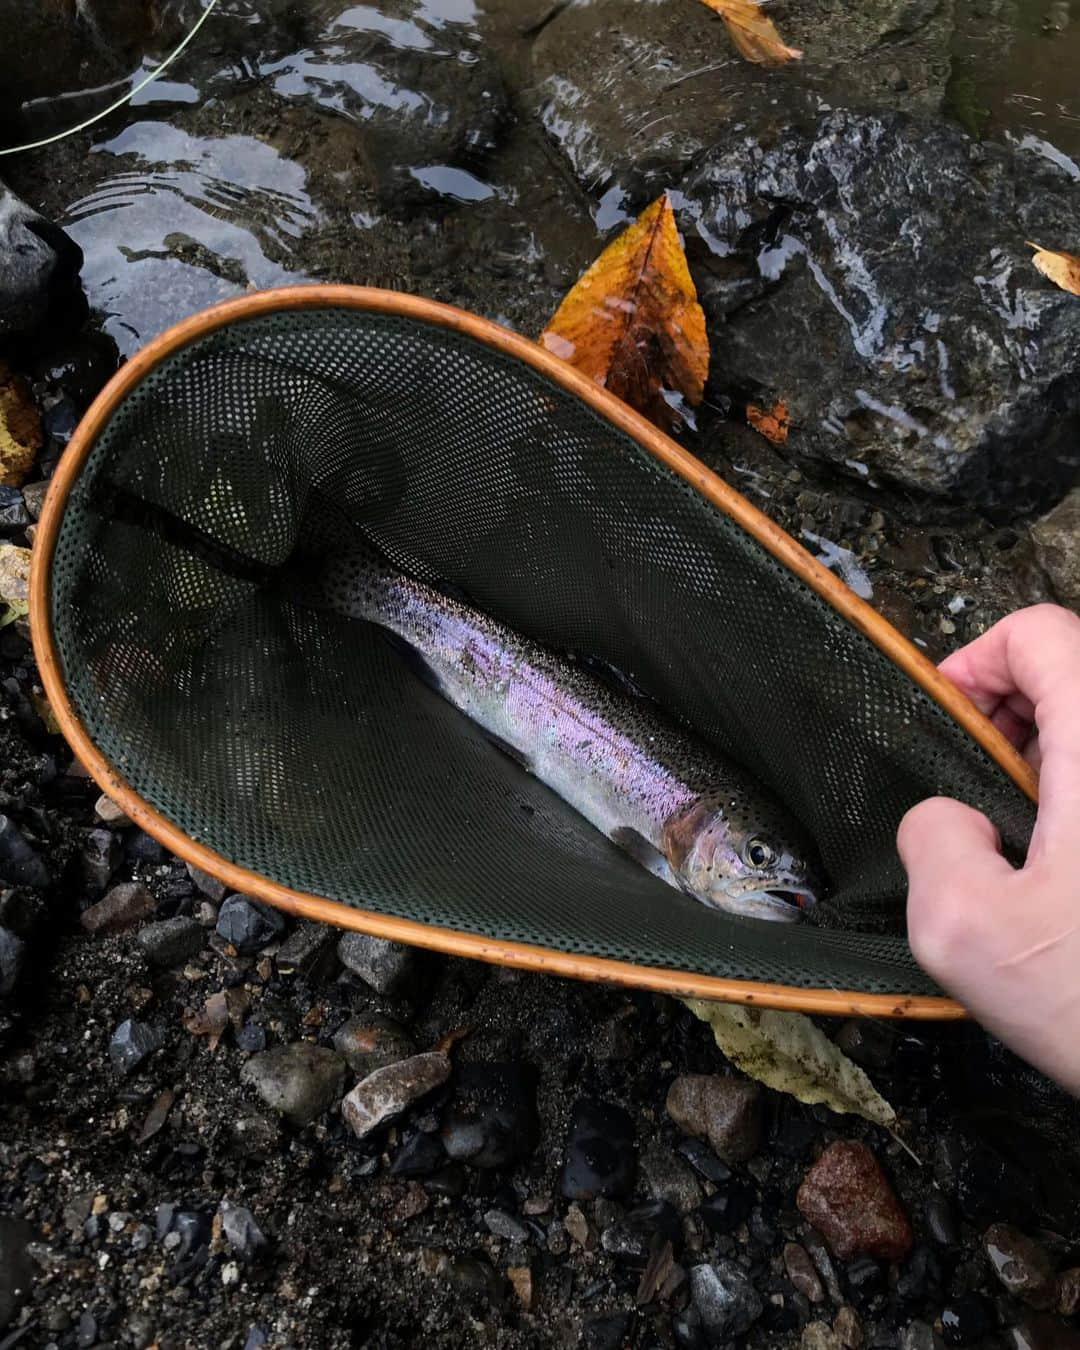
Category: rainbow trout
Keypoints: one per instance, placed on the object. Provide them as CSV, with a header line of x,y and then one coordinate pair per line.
x,y
691,817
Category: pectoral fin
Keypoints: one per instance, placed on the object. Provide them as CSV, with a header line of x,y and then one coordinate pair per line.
x,y
634,843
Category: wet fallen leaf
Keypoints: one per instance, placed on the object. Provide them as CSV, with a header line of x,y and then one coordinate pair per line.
x,y
1063,269
156,1116
633,323
20,428
787,1052
14,583
754,33
44,710
772,422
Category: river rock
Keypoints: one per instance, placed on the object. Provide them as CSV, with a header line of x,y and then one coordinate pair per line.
x,y
633,93
1057,547
170,942
726,1112
241,1231
818,1336
248,925
388,1092
848,1198
1022,1266
133,1042
491,1120
1069,1292
100,856
121,907
665,1176
600,1156
1037,1331
801,1272
20,862
39,266
12,961
371,1042
421,91
300,1081
724,1300
967,1319
891,302
384,965
16,1270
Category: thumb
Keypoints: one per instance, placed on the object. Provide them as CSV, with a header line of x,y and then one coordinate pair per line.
x,y
952,856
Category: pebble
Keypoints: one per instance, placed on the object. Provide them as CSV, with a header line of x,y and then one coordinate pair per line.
x,y
818,1336
476,1277
209,886
309,951
241,1231
419,1156
506,1226
386,966
1040,1332
131,1043
580,1229
941,1220
251,1037
13,512
171,942
248,925
1022,1266
144,848
703,1160
967,1320
865,1278
491,1119
630,1237
1069,1292
724,1299
729,1206
16,1270
848,1198
609,1332
371,1042
801,1272
255,1136
388,1092
869,1044
521,1278
20,863
101,854
600,1157
110,812
121,907
920,1336
988,1184
723,1111
34,495
665,1176
848,1329
300,1081
12,961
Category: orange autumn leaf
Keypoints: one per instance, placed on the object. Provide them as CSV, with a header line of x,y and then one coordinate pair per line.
x,y
1063,269
633,323
773,423
753,32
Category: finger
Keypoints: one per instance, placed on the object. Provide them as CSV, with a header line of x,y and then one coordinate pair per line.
x,y
1036,653
952,856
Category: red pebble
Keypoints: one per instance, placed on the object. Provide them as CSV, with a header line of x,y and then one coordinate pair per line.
x,y
848,1198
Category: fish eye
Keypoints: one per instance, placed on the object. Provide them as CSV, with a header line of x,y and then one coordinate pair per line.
x,y
758,853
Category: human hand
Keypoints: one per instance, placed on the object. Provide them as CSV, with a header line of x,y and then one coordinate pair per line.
x,y
1005,940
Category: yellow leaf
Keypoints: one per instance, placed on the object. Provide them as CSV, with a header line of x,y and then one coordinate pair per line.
x,y
14,583
633,323
786,1051
772,422
753,32
1063,269
20,428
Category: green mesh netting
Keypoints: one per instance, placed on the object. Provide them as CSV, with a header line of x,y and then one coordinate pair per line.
x,y
294,742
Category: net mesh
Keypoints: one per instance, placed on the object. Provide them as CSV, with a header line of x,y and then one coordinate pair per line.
x,y
295,743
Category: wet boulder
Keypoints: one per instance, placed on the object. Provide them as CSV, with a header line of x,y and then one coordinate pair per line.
x,y
420,89
633,93
873,274
39,268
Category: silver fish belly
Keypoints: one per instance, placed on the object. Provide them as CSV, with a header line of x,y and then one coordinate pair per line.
x,y
695,820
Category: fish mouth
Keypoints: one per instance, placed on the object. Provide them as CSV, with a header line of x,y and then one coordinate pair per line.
x,y
787,904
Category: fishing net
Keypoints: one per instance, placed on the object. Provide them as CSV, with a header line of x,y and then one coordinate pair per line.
x,y
295,743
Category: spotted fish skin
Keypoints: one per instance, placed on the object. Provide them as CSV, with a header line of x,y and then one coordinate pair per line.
x,y
671,801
